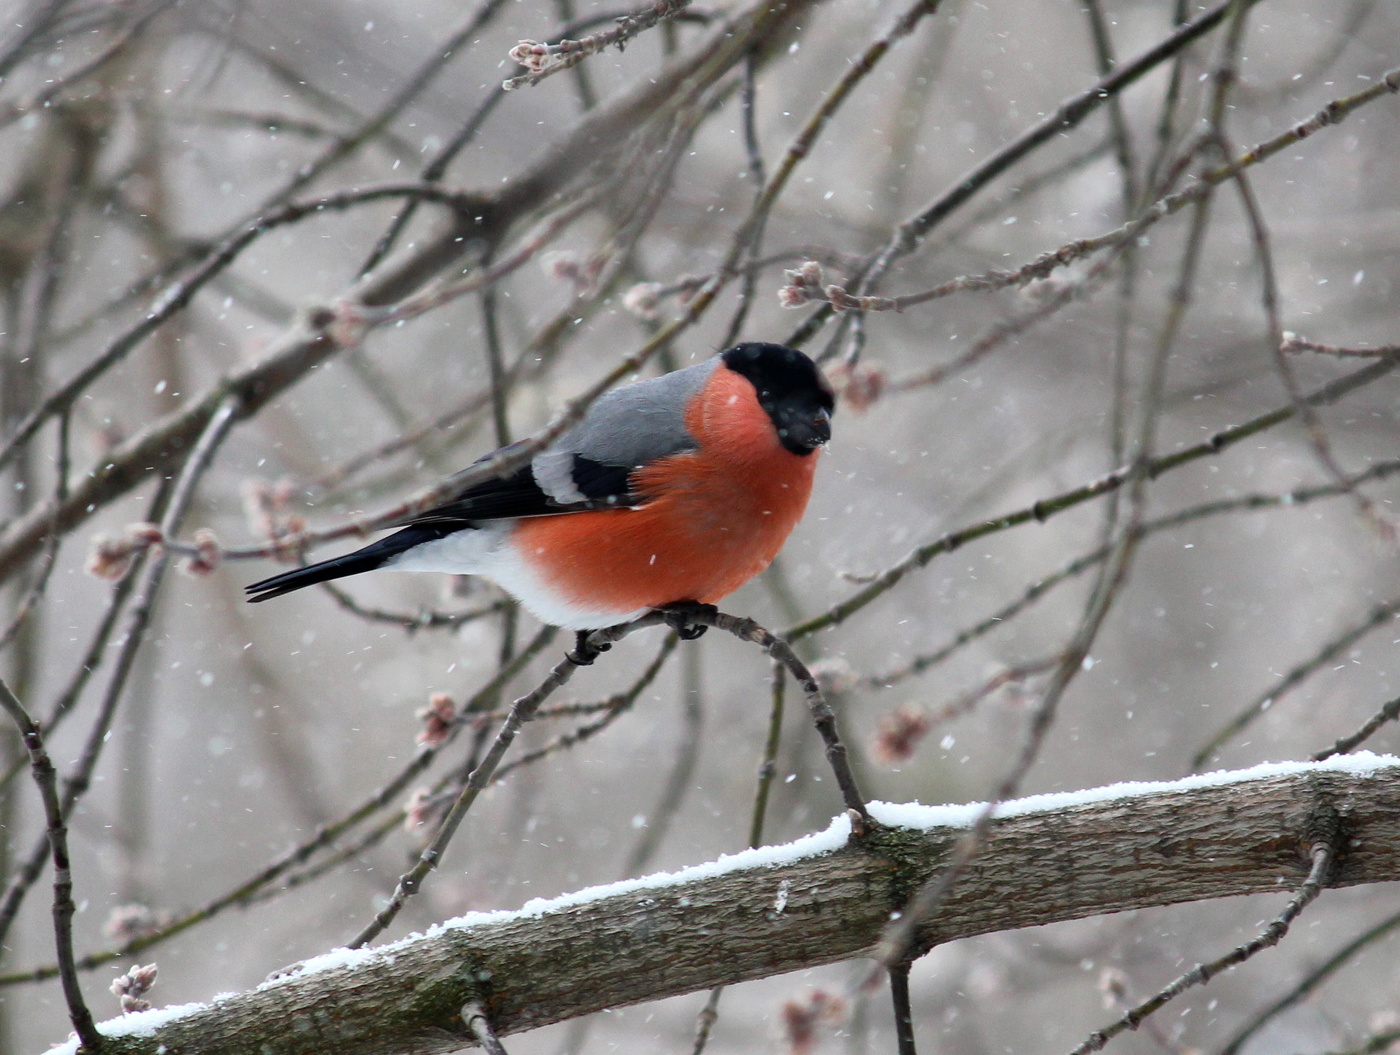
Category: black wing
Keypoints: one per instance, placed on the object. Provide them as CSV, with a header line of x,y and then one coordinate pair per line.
x,y
520,495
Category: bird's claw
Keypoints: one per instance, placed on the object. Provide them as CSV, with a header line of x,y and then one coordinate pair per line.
x,y
584,650
680,617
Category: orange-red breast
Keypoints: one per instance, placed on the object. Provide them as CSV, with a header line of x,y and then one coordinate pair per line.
x,y
678,488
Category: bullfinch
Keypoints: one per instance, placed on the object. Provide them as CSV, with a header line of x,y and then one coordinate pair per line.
x,y
676,489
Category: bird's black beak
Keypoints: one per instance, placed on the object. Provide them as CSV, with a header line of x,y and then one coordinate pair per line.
x,y
804,431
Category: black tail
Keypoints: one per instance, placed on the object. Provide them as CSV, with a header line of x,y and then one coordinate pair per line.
x,y
335,568
375,555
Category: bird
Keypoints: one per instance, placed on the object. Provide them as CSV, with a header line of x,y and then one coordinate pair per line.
x,y
671,491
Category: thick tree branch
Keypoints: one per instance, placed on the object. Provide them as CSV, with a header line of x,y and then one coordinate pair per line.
x,y
819,900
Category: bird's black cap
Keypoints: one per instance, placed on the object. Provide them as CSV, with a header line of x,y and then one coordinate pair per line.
x,y
790,388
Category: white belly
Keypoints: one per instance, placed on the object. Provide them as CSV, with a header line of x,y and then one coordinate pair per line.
x,y
486,551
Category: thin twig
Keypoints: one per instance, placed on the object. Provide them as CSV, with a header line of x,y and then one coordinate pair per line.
x,y
1312,981
1255,709
90,663
522,711
611,709
350,143
1323,853
903,1012
1294,344
1000,206
1388,713
1002,331
542,60
36,588
1283,500
433,172
705,1021
1011,674
1122,136
479,1026
496,367
678,781
1371,1045
582,78
1166,135
57,834
749,286
531,363
747,630
426,619
1067,116
805,139
807,284
1278,344
79,779
911,233
768,768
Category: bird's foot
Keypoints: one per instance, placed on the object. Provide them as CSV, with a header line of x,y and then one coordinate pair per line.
x,y
680,617
585,651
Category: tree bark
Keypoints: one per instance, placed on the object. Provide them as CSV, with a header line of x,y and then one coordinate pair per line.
x,y
1047,859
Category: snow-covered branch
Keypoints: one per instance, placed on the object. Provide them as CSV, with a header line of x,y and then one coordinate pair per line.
x,y
818,900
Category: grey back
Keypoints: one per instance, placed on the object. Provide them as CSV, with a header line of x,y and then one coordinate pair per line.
x,y
629,426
